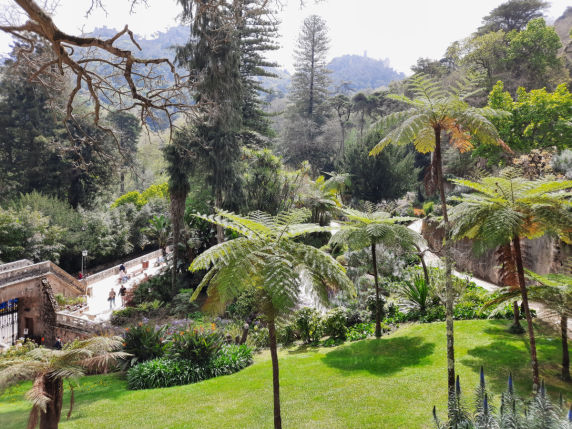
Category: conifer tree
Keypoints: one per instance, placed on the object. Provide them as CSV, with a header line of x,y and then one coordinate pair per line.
x,y
308,109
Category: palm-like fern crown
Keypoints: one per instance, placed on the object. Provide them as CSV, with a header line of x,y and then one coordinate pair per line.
x,y
266,257
71,362
553,290
504,208
434,107
362,229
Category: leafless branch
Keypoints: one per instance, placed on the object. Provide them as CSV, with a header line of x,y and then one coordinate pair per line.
x,y
108,75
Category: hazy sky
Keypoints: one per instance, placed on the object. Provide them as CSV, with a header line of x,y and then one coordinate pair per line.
x,y
401,30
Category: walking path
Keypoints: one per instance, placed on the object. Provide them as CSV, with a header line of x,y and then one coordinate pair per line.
x,y
542,312
100,284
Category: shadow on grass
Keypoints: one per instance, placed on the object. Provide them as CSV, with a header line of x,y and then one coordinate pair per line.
x,y
303,348
380,357
511,353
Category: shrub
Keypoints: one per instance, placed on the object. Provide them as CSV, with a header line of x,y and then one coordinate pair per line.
x,y
165,372
259,337
155,288
127,314
182,304
286,334
309,325
231,358
370,304
361,331
335,323
244,307
428,207
144,343
355,316
195,345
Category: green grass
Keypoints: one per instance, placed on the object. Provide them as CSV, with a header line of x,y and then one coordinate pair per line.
x,y
387,383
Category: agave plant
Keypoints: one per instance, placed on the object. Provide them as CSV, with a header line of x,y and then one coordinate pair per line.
x,y
49,368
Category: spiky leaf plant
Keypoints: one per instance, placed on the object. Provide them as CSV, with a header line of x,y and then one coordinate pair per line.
x,y
267,258
540,412
49,368
370,228
434,112
501,210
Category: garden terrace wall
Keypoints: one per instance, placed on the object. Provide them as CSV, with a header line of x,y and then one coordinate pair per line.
x,y
543,255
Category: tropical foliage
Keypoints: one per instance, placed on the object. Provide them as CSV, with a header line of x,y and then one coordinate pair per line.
x,y
504,209
266,257
369,229
49,368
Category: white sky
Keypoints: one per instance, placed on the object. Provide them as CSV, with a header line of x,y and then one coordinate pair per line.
x,y
401,30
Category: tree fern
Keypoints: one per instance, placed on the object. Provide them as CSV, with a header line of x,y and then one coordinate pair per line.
x,y
505,208
266,259
369,228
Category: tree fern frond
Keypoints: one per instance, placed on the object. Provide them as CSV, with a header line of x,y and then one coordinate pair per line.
x,y
223,253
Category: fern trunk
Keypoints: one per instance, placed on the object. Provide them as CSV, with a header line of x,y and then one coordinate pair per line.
x,y
524,294
449,296
275,374
565,353
516,328
377,306
177,213
54,389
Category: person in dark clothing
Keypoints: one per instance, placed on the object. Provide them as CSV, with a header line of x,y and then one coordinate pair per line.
x,y
58,344
122,292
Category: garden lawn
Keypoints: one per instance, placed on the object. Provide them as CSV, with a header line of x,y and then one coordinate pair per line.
x,y
388,383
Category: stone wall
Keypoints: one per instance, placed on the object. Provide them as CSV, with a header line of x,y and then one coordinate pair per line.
x,y
543,255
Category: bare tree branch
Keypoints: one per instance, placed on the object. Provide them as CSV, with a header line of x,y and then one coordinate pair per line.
x,y
109,76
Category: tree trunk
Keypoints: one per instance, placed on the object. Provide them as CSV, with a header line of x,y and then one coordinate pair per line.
x,y
516,328
177,212
218,205
565,353
275,375
54,388
524,294
449,296
423,265
377,306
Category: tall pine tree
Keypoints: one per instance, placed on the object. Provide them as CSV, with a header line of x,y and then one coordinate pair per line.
x,y
308,109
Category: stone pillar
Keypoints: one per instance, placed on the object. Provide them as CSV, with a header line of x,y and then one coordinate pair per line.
x,y
48,313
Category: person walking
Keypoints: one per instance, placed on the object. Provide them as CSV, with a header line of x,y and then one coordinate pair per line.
x,y
122,292
111,298
58,344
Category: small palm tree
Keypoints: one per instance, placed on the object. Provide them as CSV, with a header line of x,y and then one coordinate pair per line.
x,y
435,112
502,210
555,292
159,228
266,258
49,368
370,228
